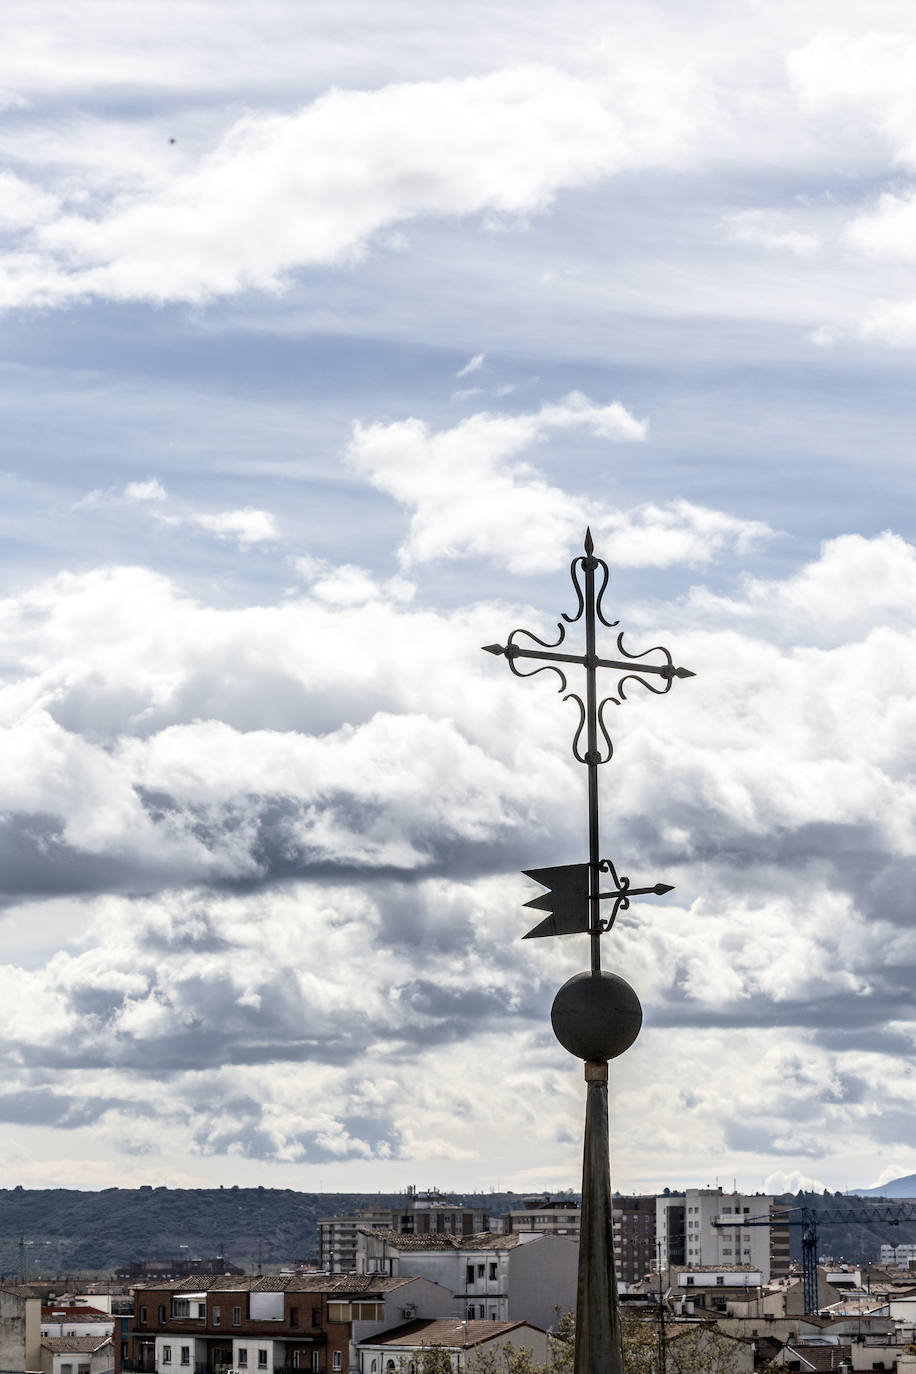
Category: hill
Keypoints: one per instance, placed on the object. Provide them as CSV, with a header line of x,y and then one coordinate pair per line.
x,y
67,1231
897,1187
850,1240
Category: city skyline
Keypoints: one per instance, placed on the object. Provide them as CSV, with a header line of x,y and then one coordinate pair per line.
x,y
324,336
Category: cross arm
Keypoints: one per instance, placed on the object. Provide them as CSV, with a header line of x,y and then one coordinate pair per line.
x,y
512,651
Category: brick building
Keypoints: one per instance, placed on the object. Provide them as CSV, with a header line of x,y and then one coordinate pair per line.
x,y
278,1324
634,1236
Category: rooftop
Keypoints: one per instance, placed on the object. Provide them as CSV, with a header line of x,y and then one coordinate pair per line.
x,y
479,1240
447,1332
276,1283
74,1345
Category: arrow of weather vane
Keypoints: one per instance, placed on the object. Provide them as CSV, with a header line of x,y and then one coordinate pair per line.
x,y
567,898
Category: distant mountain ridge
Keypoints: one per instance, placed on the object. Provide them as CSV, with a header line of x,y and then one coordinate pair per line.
x,y
45,1232
896,1187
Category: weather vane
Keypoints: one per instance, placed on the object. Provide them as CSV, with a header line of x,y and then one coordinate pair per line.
x,y
595,1015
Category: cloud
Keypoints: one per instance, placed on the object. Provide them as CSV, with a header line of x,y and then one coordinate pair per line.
x,y
467,486
145,491
244,527
866,79
769,229
217,794
281,192
473,365
134,493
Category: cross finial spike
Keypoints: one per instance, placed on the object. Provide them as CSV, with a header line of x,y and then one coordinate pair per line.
x,y
589,544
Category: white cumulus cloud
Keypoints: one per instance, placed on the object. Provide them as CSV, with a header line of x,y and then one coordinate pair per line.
x,y
467,486
283,191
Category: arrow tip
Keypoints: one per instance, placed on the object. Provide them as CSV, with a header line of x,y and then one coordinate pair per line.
x,y
589,545
493,649
661,888
683,672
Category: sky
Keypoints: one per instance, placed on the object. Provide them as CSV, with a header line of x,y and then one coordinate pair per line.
x,y
325,331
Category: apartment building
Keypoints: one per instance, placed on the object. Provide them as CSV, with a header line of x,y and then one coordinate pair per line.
x,y
634,1220
270,1325
708,1227
546,1217
422,1214
491,1276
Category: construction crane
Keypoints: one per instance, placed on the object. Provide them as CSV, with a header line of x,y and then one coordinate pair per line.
x,y
809,1219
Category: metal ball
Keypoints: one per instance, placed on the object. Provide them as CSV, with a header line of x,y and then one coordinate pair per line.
x,y
596,1016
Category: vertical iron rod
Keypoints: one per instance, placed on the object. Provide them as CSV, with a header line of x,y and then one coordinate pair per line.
x,y
589,563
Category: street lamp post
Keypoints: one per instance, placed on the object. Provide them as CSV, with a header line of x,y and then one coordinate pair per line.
x,y
595,1015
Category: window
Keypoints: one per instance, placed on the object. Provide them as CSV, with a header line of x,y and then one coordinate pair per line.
x,y
262,1359
316,1361
243,1357
335,1360
185,1354
166,1354
215,1316
161,1316
470,1273
690,1280
236,1316
143,1316
720,1280
316,1316
492,1270
294,1316
480,1271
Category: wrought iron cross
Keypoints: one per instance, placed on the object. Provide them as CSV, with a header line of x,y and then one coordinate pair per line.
x,y
575,890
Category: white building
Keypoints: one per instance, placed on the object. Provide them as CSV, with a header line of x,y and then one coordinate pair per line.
x,y
899,1255
77,1355
68,1319
398,1351
685,1227
491,1276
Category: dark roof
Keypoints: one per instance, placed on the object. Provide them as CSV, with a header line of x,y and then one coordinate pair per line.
x,y
447,1331
822,1358
715,1268
276,1283
66,1313
548,1206
479,1240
